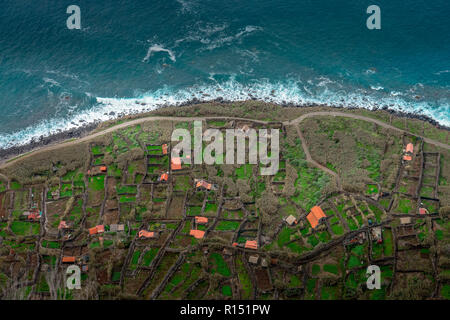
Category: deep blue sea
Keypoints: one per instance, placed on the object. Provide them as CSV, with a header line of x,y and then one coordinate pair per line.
x,y
132,52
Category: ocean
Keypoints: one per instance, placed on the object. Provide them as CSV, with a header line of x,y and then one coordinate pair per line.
x,y
134,56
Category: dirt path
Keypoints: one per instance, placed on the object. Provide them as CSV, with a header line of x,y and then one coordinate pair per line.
x,y
312,161
59,145
368,119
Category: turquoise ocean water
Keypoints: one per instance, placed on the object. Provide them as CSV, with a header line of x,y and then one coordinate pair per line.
x,y
133,56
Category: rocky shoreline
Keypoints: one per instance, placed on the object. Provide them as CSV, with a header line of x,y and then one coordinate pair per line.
x,y
82,131
42,141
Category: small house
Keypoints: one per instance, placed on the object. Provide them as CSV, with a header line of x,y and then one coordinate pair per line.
x,y
146,234
291,220
409,148
253,259
176,163
423,211
316,216
116,227
203,185
164,177
34,216
201,220
100,228
164,148
198,234
92,231
251,244
68,260
63,225
103,169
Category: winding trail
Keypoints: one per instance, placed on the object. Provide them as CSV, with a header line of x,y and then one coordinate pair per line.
x,y
312,161
56,146
364,118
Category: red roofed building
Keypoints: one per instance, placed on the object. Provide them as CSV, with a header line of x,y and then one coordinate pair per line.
x,y
407,158
176,163
198,234
423,211
203,184
68,260
201,220
100,228
146,234
63,225
93,231
164,177
410,148
251,244
34,216
315,216
103,169
164,148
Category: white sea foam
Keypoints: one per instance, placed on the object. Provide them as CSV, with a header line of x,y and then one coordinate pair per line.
x,y
158,48
51,82
293,92
187,6
227,40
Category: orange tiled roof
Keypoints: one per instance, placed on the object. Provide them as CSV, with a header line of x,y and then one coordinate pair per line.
x,y
100,228
164,177
103,169
68,259
176,163
92,230
201,220
407,158
204,184
63,225
410,148
164,148
34,216
198,234
146,234
315,215
251,244
422,211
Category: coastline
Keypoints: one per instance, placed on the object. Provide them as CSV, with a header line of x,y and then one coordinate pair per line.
x,y
9,154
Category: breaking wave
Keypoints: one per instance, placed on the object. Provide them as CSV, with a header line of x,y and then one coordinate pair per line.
x,y
158,48
288,92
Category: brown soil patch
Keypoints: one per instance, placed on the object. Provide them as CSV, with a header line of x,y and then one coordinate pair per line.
x,y
111,187
175,210
262,279
111,217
